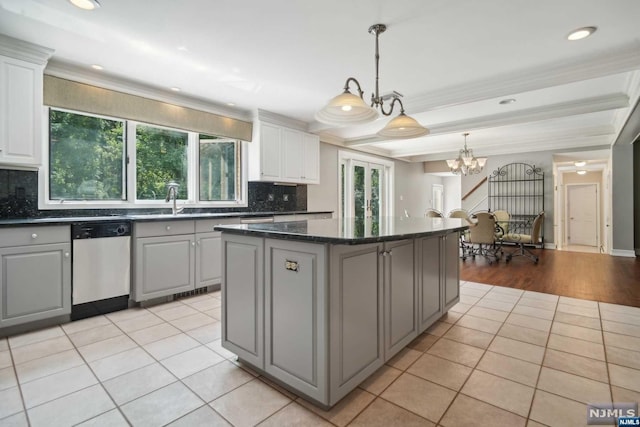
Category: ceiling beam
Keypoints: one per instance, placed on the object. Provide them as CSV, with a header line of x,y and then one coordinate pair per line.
x,y
622,59
546,112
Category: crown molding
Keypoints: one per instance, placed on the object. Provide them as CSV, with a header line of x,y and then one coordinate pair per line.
x,y
280,120
551,144
624,58
25,51
624,117
79,74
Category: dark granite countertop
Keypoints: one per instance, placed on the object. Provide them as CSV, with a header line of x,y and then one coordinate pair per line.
x,y
345,232
143,217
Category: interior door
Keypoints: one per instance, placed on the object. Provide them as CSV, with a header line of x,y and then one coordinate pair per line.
x,y
582,214
367,197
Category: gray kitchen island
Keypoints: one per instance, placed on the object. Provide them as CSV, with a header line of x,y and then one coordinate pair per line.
x,y
320,305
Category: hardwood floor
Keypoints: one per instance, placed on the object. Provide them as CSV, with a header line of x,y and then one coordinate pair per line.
x,y
594,277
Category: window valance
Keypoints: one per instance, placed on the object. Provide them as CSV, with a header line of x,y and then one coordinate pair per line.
x,y
62,93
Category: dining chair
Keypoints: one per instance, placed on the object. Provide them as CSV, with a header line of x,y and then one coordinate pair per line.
x,y
502,222
525,239
482,238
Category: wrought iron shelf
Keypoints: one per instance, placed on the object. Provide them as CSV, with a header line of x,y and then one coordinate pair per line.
x,y
517,187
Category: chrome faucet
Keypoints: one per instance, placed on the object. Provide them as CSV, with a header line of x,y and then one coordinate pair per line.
x,y
172,194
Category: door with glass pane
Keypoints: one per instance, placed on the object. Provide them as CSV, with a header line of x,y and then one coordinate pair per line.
x,y
367,196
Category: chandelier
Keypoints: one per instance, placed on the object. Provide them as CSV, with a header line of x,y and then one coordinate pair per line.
x,y
350,109
466,163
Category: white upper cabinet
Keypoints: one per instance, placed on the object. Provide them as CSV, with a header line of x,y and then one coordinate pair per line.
x,y
21,72
281,154
270,146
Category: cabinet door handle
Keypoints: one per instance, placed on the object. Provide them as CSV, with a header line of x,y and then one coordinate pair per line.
x,y
193,243
66,254
34,236
168,227
198,242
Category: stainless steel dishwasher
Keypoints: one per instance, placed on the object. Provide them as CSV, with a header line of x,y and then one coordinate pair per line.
x,y
101,268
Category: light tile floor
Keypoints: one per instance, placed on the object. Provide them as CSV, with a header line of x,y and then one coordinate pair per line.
x,y
500,357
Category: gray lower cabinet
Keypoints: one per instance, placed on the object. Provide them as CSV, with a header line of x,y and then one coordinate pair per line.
x,y
35,274
208,256
295,330
176,256
355,316
163,266
400,296
429,281
243,297
451,268
321,318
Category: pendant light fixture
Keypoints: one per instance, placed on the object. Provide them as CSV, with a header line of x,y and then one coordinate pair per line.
x,y
86,4
466,163
350,109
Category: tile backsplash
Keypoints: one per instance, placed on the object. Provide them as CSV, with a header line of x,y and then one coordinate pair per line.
x,y
19,199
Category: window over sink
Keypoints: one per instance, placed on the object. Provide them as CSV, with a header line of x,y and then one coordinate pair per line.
x,y
100,162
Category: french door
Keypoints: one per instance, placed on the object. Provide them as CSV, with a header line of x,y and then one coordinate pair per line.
x,y
364,195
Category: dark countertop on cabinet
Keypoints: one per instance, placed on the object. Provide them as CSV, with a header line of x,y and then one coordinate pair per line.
x,y
18,222
338,231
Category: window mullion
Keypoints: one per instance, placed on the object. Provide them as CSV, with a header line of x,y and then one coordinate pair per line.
x,y
132,197
193,192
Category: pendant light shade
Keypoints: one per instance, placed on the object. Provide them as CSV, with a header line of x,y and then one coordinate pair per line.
x,y
86,4
403,127
346,109
350,109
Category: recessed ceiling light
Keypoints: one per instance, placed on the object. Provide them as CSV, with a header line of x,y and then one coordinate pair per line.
x,y
231,104
582,172
97,67
507,101
182,48
175,89
580,164
581,33
85,4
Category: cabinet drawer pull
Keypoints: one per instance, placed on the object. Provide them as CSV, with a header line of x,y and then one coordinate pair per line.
x,y
168,227
66,254
34,236
291,265
193,243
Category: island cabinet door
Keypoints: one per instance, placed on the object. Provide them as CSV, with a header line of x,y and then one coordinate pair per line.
x,y
295,315
451,252
400,296
243,297
429,281
356,329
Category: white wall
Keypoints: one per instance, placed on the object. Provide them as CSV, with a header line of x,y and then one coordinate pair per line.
x,y
452,193
411,183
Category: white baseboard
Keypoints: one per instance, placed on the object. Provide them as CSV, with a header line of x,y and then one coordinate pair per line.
x,y
550,246
623,252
